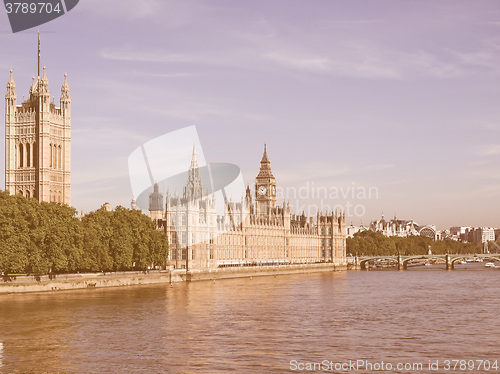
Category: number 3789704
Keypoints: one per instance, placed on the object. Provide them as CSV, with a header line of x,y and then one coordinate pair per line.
x,y
32,8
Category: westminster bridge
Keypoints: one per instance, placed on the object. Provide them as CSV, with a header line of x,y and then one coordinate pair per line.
x,y
403,260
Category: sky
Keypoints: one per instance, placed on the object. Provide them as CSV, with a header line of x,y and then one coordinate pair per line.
x,y
391,107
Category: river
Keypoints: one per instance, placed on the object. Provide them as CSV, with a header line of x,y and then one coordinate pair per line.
x,y
261,325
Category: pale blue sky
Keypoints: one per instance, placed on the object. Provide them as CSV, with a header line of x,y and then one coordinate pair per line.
x,y
399,95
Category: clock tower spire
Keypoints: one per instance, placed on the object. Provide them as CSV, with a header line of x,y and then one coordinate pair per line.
x,y
265,186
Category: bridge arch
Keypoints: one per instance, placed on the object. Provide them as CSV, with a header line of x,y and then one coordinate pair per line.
x,y
364,260
428,231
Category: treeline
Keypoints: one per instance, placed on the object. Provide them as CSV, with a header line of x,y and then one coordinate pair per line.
x,y
371,243
49,238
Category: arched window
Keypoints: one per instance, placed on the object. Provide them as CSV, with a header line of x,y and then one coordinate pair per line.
x,y
35,154
28,154
28,194
51,155
20,192
21,155
60,157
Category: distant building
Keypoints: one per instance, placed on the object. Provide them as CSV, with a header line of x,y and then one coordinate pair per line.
x,y
107,206
351,230
403,228
460,233
474,234
395,227
483,234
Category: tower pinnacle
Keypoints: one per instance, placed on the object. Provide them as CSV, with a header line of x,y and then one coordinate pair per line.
x,y
265,165
194,188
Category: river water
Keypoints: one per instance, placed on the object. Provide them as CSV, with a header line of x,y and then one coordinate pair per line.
x,y
262,325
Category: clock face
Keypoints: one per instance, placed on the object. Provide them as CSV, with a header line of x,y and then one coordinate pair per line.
x,y
262,190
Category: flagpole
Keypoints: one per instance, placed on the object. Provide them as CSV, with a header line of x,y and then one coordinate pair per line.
x,y
38,54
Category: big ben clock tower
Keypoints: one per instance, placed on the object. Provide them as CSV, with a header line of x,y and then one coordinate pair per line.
x,y
265,187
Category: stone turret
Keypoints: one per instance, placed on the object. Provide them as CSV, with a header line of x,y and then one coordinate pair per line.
x,y
156,204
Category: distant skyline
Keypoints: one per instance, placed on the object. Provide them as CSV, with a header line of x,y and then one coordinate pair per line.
x,y
399,96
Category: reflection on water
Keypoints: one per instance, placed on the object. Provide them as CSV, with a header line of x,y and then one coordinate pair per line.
x,y
253,325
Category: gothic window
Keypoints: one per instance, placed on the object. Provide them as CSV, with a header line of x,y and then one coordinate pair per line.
x,y
28,155
20,192
59,161
21,155
35,153
28,194
51,156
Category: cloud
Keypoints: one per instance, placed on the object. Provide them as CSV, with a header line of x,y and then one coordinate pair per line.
x,y
489,150
428,64
129,53
306,63
352,64
377,167
124,9
359,59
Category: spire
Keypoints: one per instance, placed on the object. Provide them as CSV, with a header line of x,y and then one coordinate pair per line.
x,y
43,84
265,158
265,165
194,159
11,83
194,188
11,88
65,89
33,85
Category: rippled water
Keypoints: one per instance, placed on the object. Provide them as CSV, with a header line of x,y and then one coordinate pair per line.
x,y
256,325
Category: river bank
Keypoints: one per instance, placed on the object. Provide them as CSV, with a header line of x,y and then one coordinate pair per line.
x,y
24,284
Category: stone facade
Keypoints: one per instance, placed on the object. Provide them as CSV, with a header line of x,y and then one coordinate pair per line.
x,y
38,142
248,234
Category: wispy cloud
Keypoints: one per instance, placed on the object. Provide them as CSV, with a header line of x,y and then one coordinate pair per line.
x,y
305,63
129,53
351,64
358,59
377,167
488,150
125,9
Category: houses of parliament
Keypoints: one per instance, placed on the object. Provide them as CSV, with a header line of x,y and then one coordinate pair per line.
x,y
38,141
253,231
